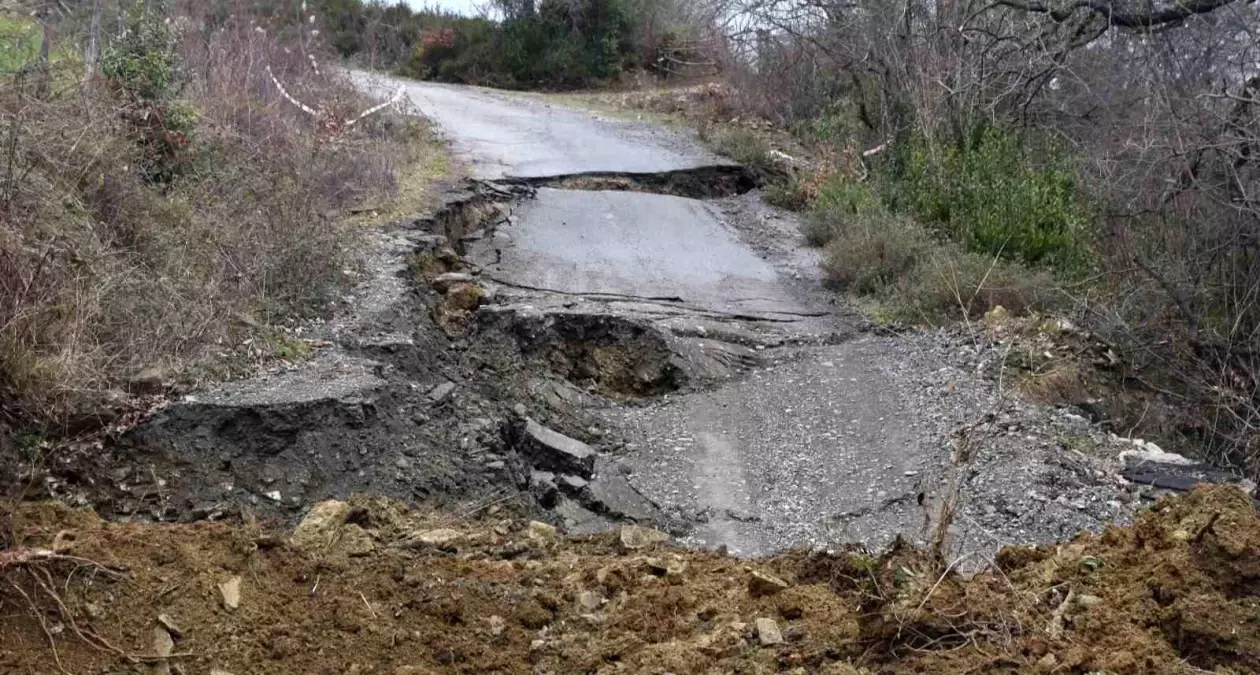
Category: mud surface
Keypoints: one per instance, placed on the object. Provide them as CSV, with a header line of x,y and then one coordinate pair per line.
x,y
372,587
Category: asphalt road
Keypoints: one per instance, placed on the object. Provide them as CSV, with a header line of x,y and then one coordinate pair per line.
x,y
815,447
501,135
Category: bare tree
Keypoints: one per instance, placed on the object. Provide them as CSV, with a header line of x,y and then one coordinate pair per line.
x,y
92,54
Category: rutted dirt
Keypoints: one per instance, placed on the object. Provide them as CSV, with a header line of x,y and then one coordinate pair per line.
x,y
372,587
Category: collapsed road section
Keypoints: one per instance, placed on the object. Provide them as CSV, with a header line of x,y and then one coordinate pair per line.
x,y
606,323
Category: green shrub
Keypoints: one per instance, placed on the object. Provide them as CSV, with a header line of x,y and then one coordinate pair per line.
x,y
787,194
840,200
19,43
144,62
742,145
996,195
869,252
953,283
911,275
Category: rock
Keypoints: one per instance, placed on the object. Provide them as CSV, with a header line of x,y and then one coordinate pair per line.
x,y
319,527
163,643
996,317
667,568
761,584
171,627
590,600
1048,662
230,592
768,632
219,671
1088,600
541,532
635,537
554,451
497,625
444,282
149,380
441,392
573,483
436,538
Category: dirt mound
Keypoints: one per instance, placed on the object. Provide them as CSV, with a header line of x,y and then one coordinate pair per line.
x,y
373,587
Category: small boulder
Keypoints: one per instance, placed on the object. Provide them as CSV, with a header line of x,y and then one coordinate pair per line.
x,y
553,451
318,529
444,282
635,537
768,633
590,601
541,532
441,392
761,584
230,593
443,538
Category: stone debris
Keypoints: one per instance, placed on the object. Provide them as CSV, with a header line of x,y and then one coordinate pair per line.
x,y
590,600
163,643
768,633
444,282
441,392
539,531
230,592
319,527
171,627
636,537
762,584
553,451
438,538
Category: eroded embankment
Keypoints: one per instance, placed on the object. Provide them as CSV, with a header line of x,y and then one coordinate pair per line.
x,y
371,587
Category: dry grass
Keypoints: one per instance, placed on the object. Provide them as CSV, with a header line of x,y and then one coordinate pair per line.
x,y
105,272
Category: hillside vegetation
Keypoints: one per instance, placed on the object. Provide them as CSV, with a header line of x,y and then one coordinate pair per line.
x,y
165,216
552,44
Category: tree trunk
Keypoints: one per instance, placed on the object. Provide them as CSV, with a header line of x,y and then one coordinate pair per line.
x,y
43,87
93,52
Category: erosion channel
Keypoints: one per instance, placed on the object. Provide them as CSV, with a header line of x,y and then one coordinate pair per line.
x,y
604,321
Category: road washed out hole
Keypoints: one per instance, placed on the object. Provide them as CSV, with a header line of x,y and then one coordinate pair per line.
x,y
611,355
706,182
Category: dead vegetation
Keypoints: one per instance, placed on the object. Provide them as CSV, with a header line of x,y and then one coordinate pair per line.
x,y
374,587
174,208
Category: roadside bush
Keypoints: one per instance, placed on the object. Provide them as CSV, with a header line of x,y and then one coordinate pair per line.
x,y
868,252
953,283
915,276
840,200
991,193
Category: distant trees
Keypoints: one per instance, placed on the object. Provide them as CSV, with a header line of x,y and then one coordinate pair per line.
x,y
533,43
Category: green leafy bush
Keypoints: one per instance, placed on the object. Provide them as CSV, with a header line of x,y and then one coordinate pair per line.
x,y
996,195
913,275
867,253
143,66
840,200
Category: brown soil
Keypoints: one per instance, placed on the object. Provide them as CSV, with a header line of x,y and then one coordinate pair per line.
x,y
377,588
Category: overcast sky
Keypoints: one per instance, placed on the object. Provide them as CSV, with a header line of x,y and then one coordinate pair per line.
x,y
461,6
